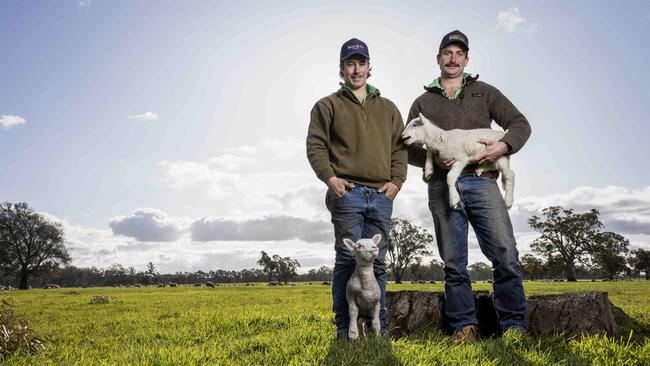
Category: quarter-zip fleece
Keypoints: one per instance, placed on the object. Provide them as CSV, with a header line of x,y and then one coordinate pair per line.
x,y
477,105
359,142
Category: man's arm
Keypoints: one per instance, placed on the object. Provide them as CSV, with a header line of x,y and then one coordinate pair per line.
x,y
318,141
399,157
517,128
506,115
318,149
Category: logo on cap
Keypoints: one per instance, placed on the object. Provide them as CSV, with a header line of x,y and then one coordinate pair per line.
x,y
457,37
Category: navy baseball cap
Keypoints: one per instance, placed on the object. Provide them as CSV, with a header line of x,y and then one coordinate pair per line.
x,y
455,37
354,47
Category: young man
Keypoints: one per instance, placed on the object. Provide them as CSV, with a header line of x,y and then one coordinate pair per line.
x,y
355,148
457,100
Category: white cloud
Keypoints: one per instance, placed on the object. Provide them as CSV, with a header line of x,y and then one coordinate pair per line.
x,y
147,116
84,3
9,121
509,19
243,183
271,228
147,225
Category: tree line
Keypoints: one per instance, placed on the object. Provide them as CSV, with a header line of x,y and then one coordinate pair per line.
x,y
570,244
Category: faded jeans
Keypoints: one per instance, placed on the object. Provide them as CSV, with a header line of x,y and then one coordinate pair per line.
x,y
481,205
361,212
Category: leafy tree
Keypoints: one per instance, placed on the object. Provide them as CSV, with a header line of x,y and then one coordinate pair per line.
x,y
640,260
406,242
435,270
565,235
608,253
416,268
269,266
286,268
531,266
480,271
29,242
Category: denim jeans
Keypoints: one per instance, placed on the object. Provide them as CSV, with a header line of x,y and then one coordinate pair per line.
x,y
361,212
483,207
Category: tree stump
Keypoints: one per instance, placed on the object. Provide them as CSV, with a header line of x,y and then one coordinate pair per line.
x,y
572,313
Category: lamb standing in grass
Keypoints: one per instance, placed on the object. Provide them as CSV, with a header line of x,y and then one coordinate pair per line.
x,y
461,146
362,290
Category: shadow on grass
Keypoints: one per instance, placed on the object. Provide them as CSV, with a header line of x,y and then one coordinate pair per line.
x,y
366,351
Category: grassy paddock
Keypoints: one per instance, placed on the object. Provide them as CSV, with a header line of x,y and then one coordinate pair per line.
x,y
289,325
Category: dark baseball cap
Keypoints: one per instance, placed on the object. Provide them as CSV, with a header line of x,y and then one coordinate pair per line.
x,y
354,47
454,37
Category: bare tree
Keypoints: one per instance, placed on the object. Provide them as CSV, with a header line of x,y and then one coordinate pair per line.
x,y
29,242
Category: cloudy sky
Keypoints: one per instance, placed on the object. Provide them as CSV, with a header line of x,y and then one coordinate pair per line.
x,y
174,131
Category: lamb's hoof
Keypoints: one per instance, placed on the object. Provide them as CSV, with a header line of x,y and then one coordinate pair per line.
x,y
428,176
353,336
454,204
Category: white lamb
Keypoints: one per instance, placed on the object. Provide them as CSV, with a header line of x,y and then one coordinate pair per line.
x,y
362,290
462,146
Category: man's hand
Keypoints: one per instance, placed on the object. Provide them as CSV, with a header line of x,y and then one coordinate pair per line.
x,y
445,164
390,189
493,150
339,186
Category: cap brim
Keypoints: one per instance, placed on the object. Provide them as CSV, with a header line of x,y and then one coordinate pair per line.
x,y
463,45
355,53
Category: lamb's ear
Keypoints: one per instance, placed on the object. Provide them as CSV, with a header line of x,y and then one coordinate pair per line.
x,y
350,244
424,119
376,239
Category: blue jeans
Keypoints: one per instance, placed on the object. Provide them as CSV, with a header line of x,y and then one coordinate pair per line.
x,y
361,212
481,205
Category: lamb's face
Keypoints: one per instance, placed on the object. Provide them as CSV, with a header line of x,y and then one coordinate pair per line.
x,y
414,132
365,250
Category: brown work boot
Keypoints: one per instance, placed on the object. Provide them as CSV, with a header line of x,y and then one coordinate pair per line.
x,y
465,334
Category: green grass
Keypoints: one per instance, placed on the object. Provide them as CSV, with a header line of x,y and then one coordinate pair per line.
x,y
289,325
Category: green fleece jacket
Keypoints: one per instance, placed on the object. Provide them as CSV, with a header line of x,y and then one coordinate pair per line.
x,y
359,142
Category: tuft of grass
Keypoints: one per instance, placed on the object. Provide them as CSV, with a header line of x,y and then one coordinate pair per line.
x,y
15,334
100,299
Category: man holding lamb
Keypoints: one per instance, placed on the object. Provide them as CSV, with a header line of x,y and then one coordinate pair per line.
x,y
354,146
457,100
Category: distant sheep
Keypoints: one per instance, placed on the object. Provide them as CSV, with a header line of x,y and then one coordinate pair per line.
x,y
462,146
362,290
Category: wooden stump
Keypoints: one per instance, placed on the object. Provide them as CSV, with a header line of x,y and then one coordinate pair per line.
x,y
571,313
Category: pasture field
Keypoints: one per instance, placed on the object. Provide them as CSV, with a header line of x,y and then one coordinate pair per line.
x,y
287,325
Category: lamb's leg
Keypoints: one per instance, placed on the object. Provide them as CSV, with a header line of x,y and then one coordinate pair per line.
x,y
507,179
376,325
353,329
452,177
428,165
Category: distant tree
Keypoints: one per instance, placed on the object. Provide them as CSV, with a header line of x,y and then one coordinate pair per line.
x,y
531,266
268,265
640,261
29,242
435,270
480,271
287,268
323,273
565,235
416,268
406,242
608,253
